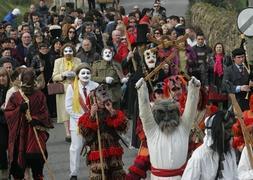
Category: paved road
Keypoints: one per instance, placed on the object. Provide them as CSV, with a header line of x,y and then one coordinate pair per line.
x,y
59,149
173,7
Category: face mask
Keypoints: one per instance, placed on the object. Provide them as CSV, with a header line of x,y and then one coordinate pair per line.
x,y
107,55
84,75
68,51
150,58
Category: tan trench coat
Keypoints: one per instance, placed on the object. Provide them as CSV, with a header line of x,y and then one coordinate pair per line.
x,y
59,68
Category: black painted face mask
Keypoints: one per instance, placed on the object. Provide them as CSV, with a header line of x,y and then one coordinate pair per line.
x,y
166,115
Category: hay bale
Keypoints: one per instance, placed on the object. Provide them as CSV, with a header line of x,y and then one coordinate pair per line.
x,y
218,24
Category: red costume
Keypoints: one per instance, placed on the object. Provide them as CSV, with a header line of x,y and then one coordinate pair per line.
x,y
238,141
111,148
23,148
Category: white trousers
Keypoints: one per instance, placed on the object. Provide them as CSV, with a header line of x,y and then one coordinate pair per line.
x,y
74,152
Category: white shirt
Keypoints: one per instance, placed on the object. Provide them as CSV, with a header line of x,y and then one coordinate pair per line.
x,y
191,42
244,170
204,162
167,151
74,117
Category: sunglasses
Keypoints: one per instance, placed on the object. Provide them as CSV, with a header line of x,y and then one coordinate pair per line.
x,y
157,33
72,32
62,9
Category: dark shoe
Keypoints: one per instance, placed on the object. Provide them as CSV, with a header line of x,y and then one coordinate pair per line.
x,y
73,178
68,139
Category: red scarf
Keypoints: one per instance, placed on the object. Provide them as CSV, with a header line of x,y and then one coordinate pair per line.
x,y
218,67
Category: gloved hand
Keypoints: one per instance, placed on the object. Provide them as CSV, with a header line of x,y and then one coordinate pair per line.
x,y
109,80
34,122
68,74
23,107
124,80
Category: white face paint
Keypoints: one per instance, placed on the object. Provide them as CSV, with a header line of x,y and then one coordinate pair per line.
x,y
107,55
68,51
84,75
150,58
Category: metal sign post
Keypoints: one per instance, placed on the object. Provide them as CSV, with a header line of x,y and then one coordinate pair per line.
x,y
245,26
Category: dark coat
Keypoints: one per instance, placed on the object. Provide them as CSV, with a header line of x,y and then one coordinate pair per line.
x,y
233,77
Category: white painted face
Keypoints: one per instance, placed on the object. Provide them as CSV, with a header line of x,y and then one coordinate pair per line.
x,y
107,55
84,75
150,58
68,51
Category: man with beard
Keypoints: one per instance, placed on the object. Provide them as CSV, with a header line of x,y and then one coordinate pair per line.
x,y
23,149
215,158
77,103
163,126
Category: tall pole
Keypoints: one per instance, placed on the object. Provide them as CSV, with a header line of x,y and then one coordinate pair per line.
x,y
249,41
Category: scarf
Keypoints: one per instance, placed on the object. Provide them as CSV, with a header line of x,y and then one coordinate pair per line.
x,y
68,64
218,67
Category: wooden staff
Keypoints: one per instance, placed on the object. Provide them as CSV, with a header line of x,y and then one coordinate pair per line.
x,y
247,67
246,135
99,140
29,118
166,43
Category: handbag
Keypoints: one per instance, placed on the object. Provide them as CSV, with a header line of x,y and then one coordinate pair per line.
x,y
55,88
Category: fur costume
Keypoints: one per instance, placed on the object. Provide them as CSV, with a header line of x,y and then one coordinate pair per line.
x,y
164,157
110,126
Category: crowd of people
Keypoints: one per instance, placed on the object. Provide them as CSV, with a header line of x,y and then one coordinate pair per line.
x,y
106,68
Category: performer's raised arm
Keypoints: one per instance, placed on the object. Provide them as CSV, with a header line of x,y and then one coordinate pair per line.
x,y
144,108
191,103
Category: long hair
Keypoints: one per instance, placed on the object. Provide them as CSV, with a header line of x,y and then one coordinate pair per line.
x,y
219,144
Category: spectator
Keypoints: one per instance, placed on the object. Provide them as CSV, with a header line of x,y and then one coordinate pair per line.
x,y
4,132
71,36
200,66
43,11
236,79
6,63
86,53
192,37
63,73
22,48
218,62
